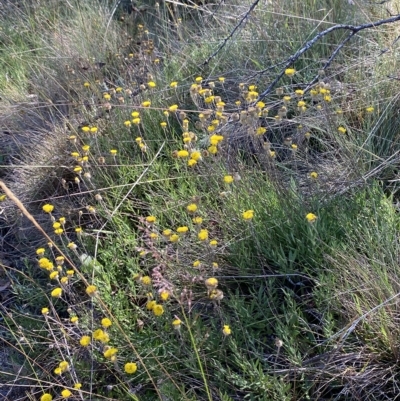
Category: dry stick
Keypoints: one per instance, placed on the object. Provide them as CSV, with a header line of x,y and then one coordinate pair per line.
x,y
225,41
353,28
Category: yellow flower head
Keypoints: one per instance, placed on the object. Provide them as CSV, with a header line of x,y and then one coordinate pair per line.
x,y
56,293
182,153
167,232
91,290
158,310
173,108
130,368
369,109
290,72
106,322
151,84
197,220
202,235
150,305
221,79
164,295
227,330
228,179
45,311
342,130
146,280
213,243
176,323
191,208
151,219
110,352
66,393
182,229
248,214
46,397
173,84
314,174
63,365
311,217
85,341
48,208
198,79
211,283
40,251
147,103
174,238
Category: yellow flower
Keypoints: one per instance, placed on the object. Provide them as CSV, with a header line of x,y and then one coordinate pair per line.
x,y
46,397
191,162
342,130
290,72
106,322
63,365
146,280
221,79
248,214
369,109
136,121
110,352
58,371
77,386
45,311
197,220
227,330
261,130
66,393
176,323
85,341
167,232
195,155
311,217
58,231
198,79
151,84
202,235
64,280
130,368
85,128
53,275
86,85
158,310
127,123
147,103
301,103
163,124
3,197
299,92
213,149
40,251
107,96
113,152
74,319
293,146
182,229
93,130
173,84
182,153
213,243
164,295
48,208
150,305
151,219
56,293
192,207
91,290
215,265
228,179
70,272
211,283
314,175
174,238
173,108
196,263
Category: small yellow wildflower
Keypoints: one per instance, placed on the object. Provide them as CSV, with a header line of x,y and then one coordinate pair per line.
x,y
46,397
110,352
107,96
176,323
106,322
127,123
48,208
163,124
66,393
213,243
228,179
314,174
151,84
197,220
74,319
369,109
196,263
173,84
85,128
93,130
91,290
203,234
182,153
58,371
164,295
167,232
290,72
3,197
147,103
261,130
211,283
293,146
56,293
173,108
221,79
226,330
299,92
248,214
198,79
151,219
53,275
58,231
77,386
301,103
63,365
342,130
213,149
45,311
150,305
146,280
40,251
136,121
86,85
182,229
113,152
191,208
174,238
158,310
130,368
311,217
85,341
